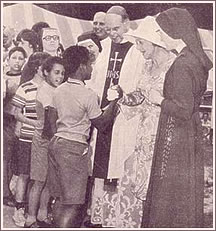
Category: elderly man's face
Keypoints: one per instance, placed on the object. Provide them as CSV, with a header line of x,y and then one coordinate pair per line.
x,y
99,25
115,27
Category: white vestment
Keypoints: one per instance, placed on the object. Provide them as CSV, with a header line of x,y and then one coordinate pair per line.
x,y
124,131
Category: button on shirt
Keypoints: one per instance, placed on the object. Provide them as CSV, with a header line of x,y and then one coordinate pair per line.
x,y
75,105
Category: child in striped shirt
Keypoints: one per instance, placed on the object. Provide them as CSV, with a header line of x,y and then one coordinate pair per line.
x,y
25,112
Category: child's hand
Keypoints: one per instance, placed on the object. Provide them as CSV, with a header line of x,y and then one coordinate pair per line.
x,y
37,123
114,92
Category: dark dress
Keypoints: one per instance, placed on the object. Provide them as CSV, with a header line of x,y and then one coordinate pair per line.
x,y
176,189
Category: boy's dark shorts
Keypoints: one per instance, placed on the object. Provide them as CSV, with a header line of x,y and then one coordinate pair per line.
x,y
23,157
67,170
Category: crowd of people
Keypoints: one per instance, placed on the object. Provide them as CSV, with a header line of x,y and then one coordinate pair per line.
x,y
107,130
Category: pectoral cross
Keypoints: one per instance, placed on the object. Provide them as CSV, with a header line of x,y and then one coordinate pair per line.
x,y
115,60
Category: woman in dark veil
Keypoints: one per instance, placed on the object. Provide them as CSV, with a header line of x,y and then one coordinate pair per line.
x,y
175,195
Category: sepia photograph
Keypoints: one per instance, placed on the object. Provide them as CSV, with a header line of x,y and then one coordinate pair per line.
x,y
107,115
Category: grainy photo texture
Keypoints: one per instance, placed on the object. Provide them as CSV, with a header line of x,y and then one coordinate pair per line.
x,y
107,115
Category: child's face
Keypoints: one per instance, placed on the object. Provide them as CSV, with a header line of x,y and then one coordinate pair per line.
x,y
16,61
56,76
26,46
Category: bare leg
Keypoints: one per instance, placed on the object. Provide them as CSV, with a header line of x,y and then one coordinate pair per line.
x,y
44,200
34,199
21,186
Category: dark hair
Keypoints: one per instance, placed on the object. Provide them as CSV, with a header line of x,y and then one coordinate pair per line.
x,y
73,57
60,50
49,63
30,36
36,60
20,49
37,27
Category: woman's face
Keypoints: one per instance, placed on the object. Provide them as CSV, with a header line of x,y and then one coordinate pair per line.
x,y
169,42
50,40
145,47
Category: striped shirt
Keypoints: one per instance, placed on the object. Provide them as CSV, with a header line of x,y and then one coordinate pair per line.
x,y
25,98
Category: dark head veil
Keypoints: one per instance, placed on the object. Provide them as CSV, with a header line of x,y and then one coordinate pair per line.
x,y
179,24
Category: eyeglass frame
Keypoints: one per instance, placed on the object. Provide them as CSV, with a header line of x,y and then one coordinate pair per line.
x,y
54,37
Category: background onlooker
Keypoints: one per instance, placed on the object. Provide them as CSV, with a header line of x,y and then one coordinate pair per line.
x,y
16,59
99,25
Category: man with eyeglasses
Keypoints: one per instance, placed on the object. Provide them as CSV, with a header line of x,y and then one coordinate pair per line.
x,y
50,41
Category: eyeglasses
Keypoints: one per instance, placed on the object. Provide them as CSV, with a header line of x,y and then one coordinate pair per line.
x,y
54,37
98,23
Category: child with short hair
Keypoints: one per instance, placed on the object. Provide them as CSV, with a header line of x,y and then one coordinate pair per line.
x,y
16,60
25,112
53,71
74,109
11,79
28,39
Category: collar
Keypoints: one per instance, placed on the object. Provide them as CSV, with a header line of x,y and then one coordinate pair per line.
x,y
44,82
183,51
13,74
75,81
124,40
180,46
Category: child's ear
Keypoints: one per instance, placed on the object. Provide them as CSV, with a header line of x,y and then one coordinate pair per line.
x,y
45,72
82,66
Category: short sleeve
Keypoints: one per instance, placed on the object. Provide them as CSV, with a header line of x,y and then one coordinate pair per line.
x,y
93,107
19,100
44,95
53,100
